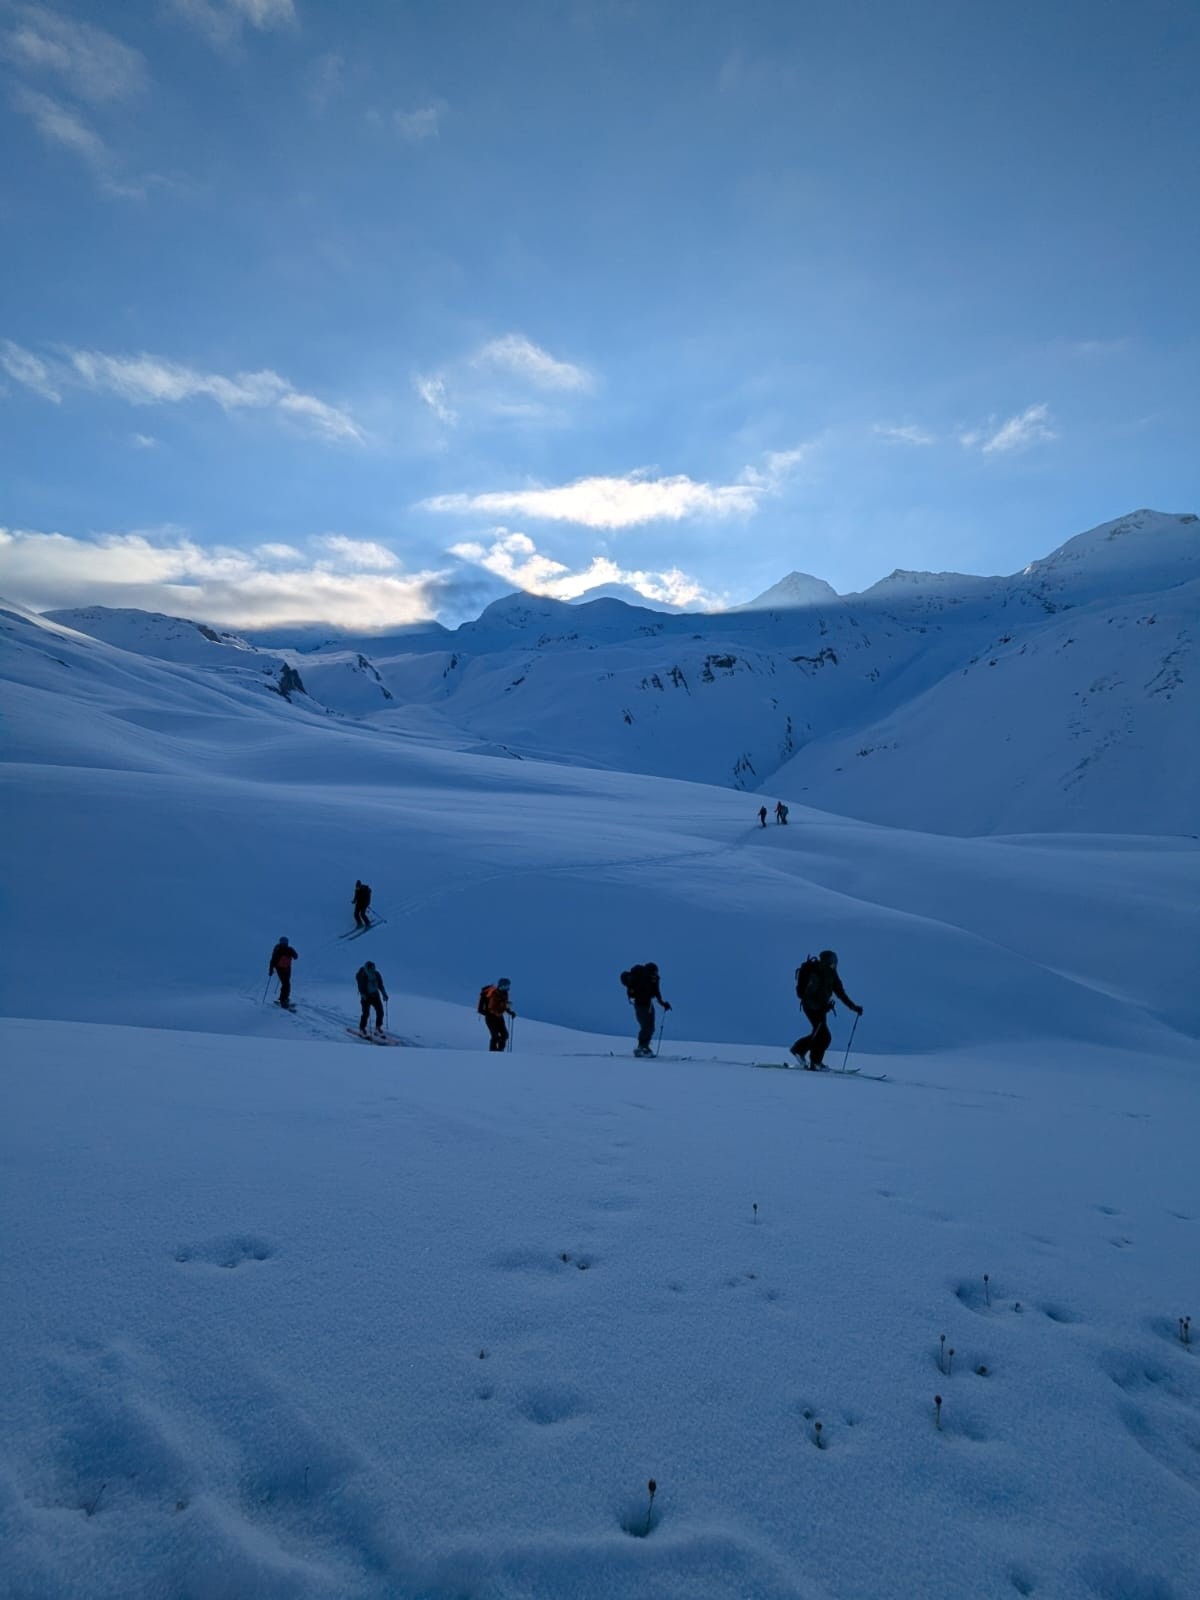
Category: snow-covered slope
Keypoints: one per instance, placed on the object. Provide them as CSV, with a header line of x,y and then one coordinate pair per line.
x,y
1064,697
293,1316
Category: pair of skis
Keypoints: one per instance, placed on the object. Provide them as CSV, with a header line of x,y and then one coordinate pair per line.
x,y
374,1038
357,933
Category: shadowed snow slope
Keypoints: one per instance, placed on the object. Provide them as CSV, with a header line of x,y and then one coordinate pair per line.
x,y
293,1316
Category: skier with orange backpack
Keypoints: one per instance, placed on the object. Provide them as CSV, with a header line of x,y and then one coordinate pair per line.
x,y
493,1007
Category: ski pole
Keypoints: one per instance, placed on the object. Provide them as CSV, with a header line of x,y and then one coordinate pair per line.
x,y
846,1057
266,986
661,1022
512,1030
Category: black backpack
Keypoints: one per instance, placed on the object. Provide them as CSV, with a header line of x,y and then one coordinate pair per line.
x,y
481,1003
637,980
809,982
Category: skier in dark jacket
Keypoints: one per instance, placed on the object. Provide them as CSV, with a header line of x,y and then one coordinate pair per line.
x,y
362,899
494,1007
762,816
641,985
781,812
372,993
817,986
281,967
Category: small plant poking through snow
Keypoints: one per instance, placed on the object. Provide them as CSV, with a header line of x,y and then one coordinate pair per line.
x,y
653,1488
987,1292
942,1353
756,1211
818,1440
937,1411
950,1362
1185,1330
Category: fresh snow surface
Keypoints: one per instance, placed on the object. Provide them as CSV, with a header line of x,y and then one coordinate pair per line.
x,y
288,1314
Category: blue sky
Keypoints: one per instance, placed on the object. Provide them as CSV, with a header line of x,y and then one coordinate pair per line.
x,y
366,312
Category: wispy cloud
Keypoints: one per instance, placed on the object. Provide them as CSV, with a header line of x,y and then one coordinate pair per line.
x,y
90,68
94,65
165,570
516,354
507,379
145,380
905,433
515,558
63,127
1030,426
222,22
419,124
433,391
365,555
776,467
326,80
29,370
143,441
632,501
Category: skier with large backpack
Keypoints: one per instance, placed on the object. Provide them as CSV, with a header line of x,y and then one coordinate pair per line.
x,y
641,986
362,899
493,1007
817,983
281,967
372,992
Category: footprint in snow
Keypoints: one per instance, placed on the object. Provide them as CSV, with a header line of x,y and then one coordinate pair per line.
x,y
228,1252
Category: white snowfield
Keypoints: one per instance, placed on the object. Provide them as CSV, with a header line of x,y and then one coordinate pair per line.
x,y
290,1314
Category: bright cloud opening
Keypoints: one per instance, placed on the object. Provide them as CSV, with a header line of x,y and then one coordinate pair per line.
x,y
610,503
516,559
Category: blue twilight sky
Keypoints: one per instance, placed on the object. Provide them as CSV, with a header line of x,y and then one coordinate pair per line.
x,y
366,311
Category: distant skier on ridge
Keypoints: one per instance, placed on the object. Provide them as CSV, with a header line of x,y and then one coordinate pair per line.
x,y
493,1007
362,899
762,816
781,812
817,983
281,967
642,987
372,992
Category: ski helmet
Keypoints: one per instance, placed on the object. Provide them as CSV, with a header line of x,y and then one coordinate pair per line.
x,y
651,966
283,938
370,966
504,984
829,958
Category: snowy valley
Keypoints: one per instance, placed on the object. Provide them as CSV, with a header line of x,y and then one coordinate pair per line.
x,y
292,1314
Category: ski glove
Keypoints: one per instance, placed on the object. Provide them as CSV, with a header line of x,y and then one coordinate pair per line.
x,y
666,1005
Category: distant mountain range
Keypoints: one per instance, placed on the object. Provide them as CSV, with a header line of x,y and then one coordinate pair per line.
x,y
1062,697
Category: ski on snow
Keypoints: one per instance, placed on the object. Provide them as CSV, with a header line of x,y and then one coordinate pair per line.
x,y
374,1038
826,1072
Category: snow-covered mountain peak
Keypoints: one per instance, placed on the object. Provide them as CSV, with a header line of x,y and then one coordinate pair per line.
x,y
797,589
1144,550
